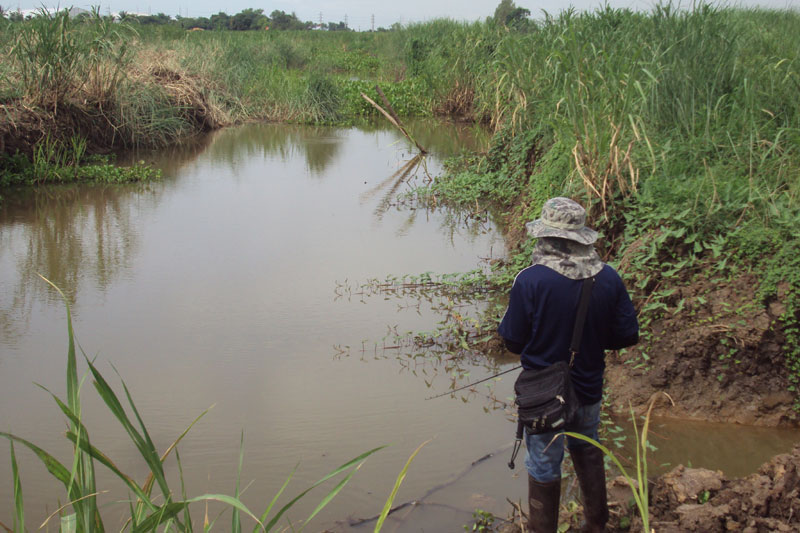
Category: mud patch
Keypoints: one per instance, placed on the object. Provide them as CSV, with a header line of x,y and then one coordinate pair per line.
x,y
690,499
22,127
716,351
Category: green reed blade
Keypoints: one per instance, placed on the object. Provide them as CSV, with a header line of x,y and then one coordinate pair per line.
x,y
73,398
108,463
82,473
170,510
19,508
400,477
148,484
335,472
236,523
187,517
145,447
52,464
277,495
332,494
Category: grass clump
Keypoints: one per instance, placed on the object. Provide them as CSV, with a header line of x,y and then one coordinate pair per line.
x,y
54,162
57,58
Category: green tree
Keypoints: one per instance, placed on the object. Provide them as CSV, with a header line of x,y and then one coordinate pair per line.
x,y
503,10
337,26
518,18
220,21
249,19
280,20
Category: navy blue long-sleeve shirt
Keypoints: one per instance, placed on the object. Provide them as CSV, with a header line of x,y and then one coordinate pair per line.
x,y
541,314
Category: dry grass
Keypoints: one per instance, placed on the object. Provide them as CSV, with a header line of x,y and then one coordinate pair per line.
x,y
190,92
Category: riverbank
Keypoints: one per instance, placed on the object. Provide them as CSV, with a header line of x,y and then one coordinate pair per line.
x,y
686,500
697,207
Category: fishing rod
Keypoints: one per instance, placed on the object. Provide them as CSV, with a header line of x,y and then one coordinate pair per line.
x,y
474,383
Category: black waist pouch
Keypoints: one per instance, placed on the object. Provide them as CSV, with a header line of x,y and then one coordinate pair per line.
x,y
545,398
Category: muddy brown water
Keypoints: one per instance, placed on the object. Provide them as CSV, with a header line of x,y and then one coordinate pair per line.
x,y
222,284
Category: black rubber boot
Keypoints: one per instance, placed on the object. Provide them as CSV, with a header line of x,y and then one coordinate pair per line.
x,y
543,499
589,466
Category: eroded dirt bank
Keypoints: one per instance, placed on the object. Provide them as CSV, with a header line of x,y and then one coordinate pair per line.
x,y
695,499
184,111
719,357
689,500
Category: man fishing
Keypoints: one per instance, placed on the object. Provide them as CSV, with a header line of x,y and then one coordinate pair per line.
x,y
538,325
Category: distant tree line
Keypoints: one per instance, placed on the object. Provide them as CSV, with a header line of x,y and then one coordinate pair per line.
x,y
246,20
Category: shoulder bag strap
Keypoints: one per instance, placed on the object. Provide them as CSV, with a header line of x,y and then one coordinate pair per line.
x,y
580,319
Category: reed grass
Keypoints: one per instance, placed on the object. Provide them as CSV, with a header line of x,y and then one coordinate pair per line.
x,y
640,484
57,58
636,95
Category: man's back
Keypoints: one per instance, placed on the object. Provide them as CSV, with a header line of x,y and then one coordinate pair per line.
x,y
541,315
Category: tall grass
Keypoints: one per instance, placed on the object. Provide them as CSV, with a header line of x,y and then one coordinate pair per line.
x,y
163,511
639,483
56,58
635,95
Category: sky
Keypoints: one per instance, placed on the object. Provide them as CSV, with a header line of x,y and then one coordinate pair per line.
x,y
357,13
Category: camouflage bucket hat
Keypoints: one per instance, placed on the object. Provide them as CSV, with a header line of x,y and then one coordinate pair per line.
x,y
563,218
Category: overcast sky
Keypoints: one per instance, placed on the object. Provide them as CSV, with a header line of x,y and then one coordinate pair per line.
x,y
358,13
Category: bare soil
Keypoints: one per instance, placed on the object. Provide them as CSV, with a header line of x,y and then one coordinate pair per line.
x,y
699,500
696,500
716,352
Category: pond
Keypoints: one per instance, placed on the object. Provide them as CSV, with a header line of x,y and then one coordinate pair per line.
x,y
233,282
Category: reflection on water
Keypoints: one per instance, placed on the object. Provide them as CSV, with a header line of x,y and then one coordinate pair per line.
x,y
76,232
70,234
317,145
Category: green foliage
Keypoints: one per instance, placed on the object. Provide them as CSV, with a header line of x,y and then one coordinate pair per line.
x,y
288,55
55,162
49,53
782,283
324,98
407,97
57,57
279,20
508,14
248,19
482,521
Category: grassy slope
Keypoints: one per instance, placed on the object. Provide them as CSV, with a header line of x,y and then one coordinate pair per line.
x,y
681,132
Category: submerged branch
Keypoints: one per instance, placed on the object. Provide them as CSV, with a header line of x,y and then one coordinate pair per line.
x,y
437,488
397,124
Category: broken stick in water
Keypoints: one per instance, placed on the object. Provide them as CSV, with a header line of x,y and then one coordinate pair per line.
x,y
395,121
